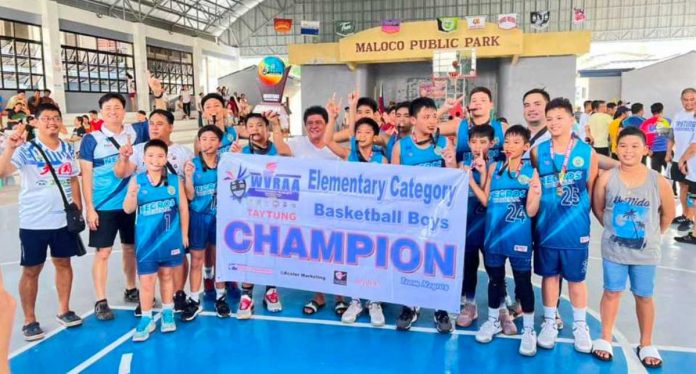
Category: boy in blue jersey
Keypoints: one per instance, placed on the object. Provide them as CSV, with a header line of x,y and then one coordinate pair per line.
x,y
161,234
567,169
424,147
480,140
104,192
259,143
215,113
200,184
362,141
480,109
403,128
511,196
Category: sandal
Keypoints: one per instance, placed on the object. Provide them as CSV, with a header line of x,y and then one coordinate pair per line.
x,y
340,307
312,307
602,346
644,353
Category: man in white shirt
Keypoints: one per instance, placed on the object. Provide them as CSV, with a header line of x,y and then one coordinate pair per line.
x,y
684,170
131,161
42,220
312,145
534,102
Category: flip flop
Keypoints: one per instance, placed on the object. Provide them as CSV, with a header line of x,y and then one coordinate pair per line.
x,y
644,353
312,307
601,345
340,307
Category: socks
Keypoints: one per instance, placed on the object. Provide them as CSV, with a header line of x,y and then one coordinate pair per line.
x,y
550,312
528,320
147,314
579,314
167,306
493,314
219,292
207,272
195,296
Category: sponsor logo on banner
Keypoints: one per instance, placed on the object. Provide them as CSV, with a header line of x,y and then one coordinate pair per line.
x,y
507,21
391,26
345,28
579,16
476,22
309,27
448,24
539,19
282,25
340,277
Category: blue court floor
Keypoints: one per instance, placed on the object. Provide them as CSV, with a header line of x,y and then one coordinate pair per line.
x,y
290,342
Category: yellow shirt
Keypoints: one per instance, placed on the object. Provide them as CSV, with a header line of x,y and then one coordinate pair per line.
x,y
614,128
599,127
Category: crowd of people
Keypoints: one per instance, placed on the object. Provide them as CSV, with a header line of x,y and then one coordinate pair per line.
x,y
532,188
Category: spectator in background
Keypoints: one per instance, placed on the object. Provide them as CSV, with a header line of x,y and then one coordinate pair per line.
x,y
598,127
199,109
95,123
46,98
85,118
132,95
659,137
19,97
636,118
80,130
186,100
233,106
34,101
611,109
615,127
583,118
16,114
142,126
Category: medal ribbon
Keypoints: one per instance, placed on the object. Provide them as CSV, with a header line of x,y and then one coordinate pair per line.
x,y
564,167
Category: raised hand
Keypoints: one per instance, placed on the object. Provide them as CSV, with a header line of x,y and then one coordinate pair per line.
x,y
189,169
452,102
449,155
17,138
236,147
333,107
479,164
535,186
154,83
272,117
126,151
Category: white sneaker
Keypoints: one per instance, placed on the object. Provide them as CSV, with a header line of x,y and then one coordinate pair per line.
x,y
489,329
354,310
272,301
528,344
246,307
376,314
548,334
583,342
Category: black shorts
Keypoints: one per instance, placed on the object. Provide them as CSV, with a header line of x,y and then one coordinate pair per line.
x,y
676,174
35,244
110,222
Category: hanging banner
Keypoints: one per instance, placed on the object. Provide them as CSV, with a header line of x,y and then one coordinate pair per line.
x,y
345,28
507,21
448,24
539,20
579,16
391,26
282,25
309,27
476,22
380,232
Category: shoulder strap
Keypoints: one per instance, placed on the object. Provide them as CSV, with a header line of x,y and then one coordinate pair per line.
x,y
171,168
537,136
112,140
53,173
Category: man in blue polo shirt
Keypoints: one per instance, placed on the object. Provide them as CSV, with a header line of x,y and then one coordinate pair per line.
x,y
104,193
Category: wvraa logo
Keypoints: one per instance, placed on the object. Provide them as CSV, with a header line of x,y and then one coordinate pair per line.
x,y
269,184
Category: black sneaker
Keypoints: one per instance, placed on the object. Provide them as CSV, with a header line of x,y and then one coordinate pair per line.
x,y
138,311
179,301
69,319
686,225
679,220
443,324
192,309
406,318
222,308
33,332
102,311
688,239
131,296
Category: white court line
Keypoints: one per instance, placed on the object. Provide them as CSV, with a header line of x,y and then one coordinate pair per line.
x,y
76,258
124,367
48,335
670,268
106,350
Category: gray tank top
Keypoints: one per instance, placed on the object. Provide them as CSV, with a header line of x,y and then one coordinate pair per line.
x,y
632,221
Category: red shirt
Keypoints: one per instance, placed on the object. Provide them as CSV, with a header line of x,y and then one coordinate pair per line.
x,y
96,125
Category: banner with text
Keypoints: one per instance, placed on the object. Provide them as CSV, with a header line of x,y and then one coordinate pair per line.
x,y
380,232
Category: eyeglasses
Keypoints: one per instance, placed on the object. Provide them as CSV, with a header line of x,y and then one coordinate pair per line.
x,y
49,119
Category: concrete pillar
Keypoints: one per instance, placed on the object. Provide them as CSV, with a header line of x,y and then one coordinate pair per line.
x,y
140,64
50,30
199,61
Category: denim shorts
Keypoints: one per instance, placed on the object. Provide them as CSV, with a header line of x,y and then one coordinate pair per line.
x,y
642,278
